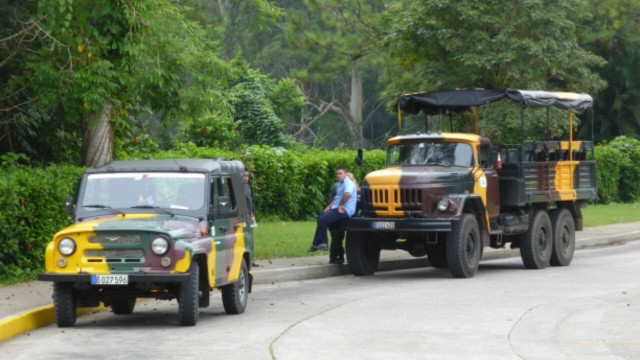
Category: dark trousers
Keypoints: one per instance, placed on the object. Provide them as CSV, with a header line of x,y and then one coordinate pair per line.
x,y
336,251
324,221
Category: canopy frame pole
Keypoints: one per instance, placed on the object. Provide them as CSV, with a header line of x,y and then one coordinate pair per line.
x,y
474,109
548,131
570,135
399,119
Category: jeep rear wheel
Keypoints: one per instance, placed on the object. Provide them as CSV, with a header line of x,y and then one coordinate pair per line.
x,y
123,306
464,247
537,242
188,297
363,255
564,237
235,296
64,304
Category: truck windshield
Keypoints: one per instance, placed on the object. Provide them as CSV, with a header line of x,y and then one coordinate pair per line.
x,y
430,153
183,191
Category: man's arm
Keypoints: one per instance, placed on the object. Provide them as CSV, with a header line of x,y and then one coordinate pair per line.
x,y
345,198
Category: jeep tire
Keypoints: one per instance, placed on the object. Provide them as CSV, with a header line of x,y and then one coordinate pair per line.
x,y
536,244
564,237
235,296
188,310
64,304
464,247
123,305
363,255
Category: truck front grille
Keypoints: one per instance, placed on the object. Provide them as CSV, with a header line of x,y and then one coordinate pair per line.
x,y
390,201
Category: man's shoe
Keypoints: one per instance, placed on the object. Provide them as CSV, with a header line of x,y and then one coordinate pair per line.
x,y
336,261
322,247
313,248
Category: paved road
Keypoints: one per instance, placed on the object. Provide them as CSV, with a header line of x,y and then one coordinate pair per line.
x,y
589,310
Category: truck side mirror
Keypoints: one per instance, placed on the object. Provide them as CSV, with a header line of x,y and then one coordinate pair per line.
x,y
68,206
359,158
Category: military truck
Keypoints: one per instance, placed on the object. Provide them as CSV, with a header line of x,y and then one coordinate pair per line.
x,y
163,229
449,195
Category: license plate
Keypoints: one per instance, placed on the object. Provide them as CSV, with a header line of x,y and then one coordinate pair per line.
x,y
109,279
384,225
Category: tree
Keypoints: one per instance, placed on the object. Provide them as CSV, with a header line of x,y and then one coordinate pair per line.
x,y
613,32
336,37
528,44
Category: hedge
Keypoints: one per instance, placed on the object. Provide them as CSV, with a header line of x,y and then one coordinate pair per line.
x,y
287,185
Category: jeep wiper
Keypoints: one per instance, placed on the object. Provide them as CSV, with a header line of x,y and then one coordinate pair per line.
x,y
101,206
153,207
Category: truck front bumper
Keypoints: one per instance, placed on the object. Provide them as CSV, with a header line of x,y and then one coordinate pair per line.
x,y
396,224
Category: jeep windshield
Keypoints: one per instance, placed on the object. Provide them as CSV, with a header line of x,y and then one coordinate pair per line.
x,y
430,152
137,192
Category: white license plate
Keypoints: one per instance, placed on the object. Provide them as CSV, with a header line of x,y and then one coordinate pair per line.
x,y
387,225
109,279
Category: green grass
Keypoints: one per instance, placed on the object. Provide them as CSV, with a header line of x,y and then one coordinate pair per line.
x,y
596,215
279,239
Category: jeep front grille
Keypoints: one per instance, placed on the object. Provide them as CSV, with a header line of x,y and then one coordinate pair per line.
x,y
115,255
114,239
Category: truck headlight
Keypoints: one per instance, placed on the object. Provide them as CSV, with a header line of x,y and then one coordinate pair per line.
x,y
159,246
443,204
66,246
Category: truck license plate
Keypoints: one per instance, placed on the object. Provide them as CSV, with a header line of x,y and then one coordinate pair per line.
x,y
109,279
386,225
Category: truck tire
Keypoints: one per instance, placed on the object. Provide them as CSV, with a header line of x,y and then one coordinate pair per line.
x,y
363,255
64,304
564,237
464,247
536,244
188,311
123,306
235,296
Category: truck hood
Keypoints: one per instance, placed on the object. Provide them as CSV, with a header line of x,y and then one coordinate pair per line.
x,y
450,180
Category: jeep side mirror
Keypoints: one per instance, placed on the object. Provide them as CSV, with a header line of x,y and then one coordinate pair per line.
x,y
359,158
68,206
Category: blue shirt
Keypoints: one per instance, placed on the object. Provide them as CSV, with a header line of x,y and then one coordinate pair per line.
x,y
346,186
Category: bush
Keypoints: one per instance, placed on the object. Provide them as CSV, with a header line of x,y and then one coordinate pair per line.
x,y
629,169
31,212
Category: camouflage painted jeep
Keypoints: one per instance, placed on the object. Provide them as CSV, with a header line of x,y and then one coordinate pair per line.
x,y
159,229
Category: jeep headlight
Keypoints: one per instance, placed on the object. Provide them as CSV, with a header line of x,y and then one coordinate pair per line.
x,y
159,246
66,246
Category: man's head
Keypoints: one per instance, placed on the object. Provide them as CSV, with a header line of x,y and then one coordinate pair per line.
x,y
245,177
341,173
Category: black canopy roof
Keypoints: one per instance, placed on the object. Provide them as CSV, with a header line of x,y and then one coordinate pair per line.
x,y
459,101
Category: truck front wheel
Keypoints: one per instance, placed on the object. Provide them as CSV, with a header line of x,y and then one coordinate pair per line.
x,y
537,242
464,247
564,237
363,255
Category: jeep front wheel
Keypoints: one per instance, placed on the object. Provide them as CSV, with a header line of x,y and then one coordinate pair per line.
x,y
188,311
464,247
64,304
363,255
235,296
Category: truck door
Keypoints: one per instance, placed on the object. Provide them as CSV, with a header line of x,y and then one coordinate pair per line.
x,y
492,184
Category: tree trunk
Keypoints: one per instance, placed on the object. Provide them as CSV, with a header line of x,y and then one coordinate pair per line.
x,y
97,139
354,121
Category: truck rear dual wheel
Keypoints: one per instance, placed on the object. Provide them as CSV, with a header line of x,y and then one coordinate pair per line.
x,y
564,237
363,255
536,244
464,247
